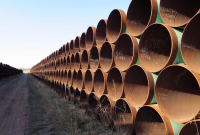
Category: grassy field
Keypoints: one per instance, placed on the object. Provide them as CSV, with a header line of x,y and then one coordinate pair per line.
x,y
49,114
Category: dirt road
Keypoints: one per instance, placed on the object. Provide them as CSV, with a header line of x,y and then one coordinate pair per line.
x,y
13,106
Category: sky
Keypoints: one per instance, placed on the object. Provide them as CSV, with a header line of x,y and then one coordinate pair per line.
x,y
30,30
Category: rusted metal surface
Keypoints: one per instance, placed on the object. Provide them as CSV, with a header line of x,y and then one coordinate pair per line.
x,y
81,80
85,65
124,117
77,44
100,82
74,79
101,32
178,13
190,44
115,84
177,93
138,86
116,25
93,102
90,38
69,79
191,128
72,61
107,56
158,47
94,59
150,120
126,52
77,61
89,81
141,14
84,100
72,44
82,42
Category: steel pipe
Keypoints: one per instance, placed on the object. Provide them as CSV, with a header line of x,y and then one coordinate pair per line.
x,y
84,100
158,47
101,32
116,25
141,14
178,13
93,102
77,44
150,120
69,78
124,115
100,82
126,52
77,95
85,60
74,79
65,77
115,84
106,56
72,44
90,38
71,94
177,93
81,80
191,128
89,81
139,86
77,61
94,59
68,62
72,61
82,42
190,44
67,49
106,111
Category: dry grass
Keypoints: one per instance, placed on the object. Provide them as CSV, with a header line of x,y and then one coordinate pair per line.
x,y
51,114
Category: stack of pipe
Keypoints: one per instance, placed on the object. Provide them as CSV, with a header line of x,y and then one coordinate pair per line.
x,y
7,71
139,72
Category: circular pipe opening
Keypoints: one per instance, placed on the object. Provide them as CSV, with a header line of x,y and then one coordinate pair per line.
x,y
106,57
90,38
94,59
85,61
178,13
69,78
101,32
190,47
116,25
138,86
68,62
124,117
71,93
80,80
158,47
72,44
141,13
77,44
67,49
72,62
65,77
82,42
89,78
92,101
106,111
190,128
177,93
115,84
77,64
74,80
84,100
100,83
153,121
126,52
77,95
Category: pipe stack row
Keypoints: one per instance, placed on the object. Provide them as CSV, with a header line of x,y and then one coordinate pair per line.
x,y
7,71
138,71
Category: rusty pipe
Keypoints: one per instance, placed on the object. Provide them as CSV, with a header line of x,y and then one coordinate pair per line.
x,y
82,42
178,13
177,93
67,52
77,61
115,84
72,61
77,44
84,100
191,128
138,86
100,82
150,120
74,79
107,56
72,44
93,102
69,78
68,62
106,111
89,81
65,77
90,38
126,52
190,44
101,32
124,117
94,58
81,80
158,47
116,25
71,94
140,15
85,60
77,95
